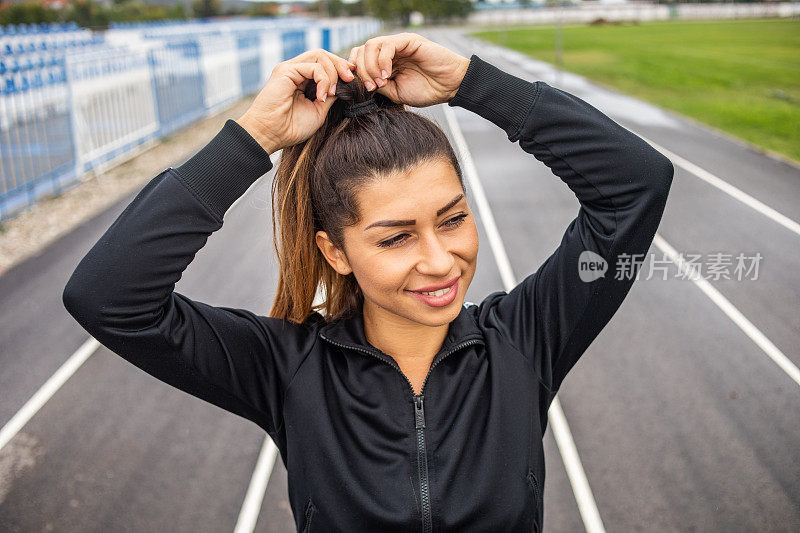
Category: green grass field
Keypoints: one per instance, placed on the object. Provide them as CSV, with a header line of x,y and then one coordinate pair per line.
x,y
742,77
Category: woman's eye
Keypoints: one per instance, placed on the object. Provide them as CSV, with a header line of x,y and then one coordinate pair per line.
x,y
393,241
456,220
398,239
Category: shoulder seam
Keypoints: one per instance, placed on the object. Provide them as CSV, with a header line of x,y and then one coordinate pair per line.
x,y
303,359
509,342
530,362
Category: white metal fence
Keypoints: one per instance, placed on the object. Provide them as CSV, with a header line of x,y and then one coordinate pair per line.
x,y
73,102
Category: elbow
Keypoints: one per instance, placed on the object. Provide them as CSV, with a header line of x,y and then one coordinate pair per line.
x,y
660,171
666,173
72,301
76,301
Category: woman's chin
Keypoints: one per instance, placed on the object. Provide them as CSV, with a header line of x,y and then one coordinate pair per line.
x,y
438,316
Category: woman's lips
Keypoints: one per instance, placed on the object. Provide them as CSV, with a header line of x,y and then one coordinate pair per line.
x,y
439,301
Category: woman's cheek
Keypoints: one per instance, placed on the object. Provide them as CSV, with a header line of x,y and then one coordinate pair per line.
x,y
467,243
384,273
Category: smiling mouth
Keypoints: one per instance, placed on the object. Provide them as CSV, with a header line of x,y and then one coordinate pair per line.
x,y
440,297
430,289
440,292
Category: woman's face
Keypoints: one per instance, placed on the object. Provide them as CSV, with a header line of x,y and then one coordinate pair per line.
x,y
416,231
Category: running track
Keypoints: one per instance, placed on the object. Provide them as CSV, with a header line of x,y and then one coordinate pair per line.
x,y
683,415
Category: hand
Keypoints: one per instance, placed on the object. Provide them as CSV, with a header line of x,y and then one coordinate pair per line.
x,y
420,72
281,115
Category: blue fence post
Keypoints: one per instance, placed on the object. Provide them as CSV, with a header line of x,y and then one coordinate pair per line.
x,y
326,39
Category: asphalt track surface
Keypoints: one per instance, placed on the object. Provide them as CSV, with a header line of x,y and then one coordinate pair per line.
x,y
684,412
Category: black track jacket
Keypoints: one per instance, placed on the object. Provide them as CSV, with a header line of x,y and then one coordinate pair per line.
x,y
363,453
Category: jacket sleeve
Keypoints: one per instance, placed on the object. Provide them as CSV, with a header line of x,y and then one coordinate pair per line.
x,y
621,183
122,291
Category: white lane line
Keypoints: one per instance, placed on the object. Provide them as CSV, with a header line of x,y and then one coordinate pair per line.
x,y
251,507
47,390
729,309
575,473
563,435
727,188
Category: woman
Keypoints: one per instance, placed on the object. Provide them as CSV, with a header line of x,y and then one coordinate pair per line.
x,y
393,410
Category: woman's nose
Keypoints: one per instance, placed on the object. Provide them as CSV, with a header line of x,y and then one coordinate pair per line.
x,y
436,259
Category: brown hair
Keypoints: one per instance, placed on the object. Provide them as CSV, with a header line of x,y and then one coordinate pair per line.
x,y
314,189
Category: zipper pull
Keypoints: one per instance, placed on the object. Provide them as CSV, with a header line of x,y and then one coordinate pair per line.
x,y
419,412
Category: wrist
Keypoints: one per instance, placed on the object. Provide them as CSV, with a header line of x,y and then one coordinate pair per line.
x,y
461,71
258,132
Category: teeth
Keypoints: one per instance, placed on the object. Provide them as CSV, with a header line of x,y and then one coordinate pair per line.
x,y
437,293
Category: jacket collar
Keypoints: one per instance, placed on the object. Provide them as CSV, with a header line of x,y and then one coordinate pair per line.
x,y
349,333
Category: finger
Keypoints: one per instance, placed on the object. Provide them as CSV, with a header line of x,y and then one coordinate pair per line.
x,y
339,69
298,72
352,57
362,71
347,73
326,105
330,71
323,58
344,67
371,49
385,57
403,44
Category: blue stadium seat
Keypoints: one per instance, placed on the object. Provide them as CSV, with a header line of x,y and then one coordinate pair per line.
x,y
10,87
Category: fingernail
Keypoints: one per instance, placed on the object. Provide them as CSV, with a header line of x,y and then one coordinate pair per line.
x,y
333,89
380,82
324,96
384,74
369,85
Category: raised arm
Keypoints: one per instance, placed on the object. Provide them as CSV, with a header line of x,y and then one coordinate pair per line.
x,y
621,182
122,291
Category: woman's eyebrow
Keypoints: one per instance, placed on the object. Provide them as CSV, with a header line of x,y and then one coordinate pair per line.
x,y
390,223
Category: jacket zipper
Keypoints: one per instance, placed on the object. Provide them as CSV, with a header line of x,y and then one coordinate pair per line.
x,y
310,509
422,461
535,485
419,424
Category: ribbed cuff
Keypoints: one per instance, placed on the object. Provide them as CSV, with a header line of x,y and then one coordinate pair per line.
x,y
496,95
225,167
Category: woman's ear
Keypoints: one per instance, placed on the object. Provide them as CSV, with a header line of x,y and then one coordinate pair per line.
x,y
333,255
